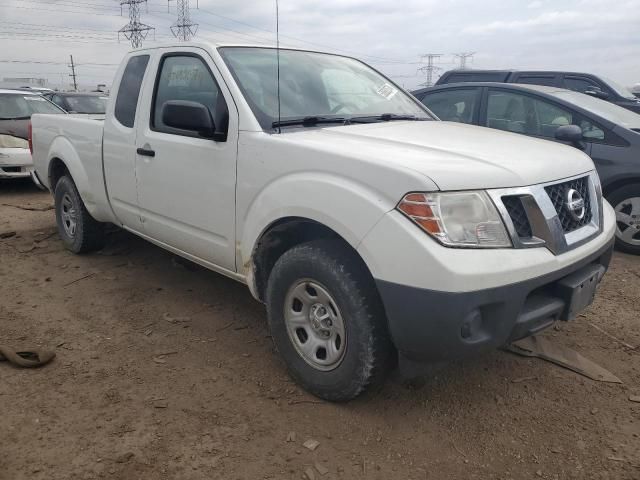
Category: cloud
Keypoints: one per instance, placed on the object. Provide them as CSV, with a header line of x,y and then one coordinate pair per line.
x,y
587,35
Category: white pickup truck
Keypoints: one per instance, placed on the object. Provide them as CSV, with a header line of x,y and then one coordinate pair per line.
x,y
373,232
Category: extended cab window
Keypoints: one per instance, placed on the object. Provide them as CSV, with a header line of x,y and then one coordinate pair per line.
x,y
186,77
129,90
455,105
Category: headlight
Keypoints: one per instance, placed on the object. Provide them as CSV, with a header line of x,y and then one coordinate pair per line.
x,y
457,219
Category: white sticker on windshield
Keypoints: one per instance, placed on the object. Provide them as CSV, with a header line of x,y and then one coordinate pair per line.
x,y
34,99
386,91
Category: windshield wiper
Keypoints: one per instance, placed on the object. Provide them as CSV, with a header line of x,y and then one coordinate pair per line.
x,y
15,118
385,117
308,121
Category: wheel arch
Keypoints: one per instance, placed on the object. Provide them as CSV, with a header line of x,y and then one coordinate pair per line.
x,y
57,169
280,236
618,183
86,174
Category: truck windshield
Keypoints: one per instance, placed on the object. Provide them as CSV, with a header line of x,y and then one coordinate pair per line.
x,y
315,85
15,105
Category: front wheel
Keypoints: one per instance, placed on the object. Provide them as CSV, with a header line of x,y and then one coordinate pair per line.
x,y
626,203
327,320
79,231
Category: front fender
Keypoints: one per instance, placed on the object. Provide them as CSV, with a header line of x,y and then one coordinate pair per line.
x,y
347,207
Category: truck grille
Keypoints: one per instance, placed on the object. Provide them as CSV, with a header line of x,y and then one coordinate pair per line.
x,y
550,215
518,215
558,195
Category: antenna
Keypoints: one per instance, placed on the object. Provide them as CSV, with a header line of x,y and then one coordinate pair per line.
x,y
278,62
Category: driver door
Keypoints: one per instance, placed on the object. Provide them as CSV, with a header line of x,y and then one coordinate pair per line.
x,y
186,183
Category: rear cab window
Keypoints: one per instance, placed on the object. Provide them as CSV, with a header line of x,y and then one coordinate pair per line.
x,y
129,90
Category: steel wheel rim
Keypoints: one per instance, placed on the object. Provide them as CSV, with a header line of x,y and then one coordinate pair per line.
x,y
68,215
315,325
628,221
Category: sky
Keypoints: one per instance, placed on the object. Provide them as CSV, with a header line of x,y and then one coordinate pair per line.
x,y
596,36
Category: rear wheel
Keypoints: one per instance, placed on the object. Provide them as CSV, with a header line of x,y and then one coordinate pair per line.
x,y
79,231
327,320
626,203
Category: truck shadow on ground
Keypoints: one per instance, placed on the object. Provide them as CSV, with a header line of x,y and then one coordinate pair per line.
x,y
218,306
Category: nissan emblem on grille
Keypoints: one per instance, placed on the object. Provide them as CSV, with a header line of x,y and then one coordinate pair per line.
x,y
575,204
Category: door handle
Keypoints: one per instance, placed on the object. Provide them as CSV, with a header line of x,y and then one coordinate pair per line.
x,y
145,152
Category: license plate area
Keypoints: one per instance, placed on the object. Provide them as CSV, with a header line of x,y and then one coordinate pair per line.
x,y
578,289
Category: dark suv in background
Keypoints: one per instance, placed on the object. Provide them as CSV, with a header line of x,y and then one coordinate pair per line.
x,y
593,85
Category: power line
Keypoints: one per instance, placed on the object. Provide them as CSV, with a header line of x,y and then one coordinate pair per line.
x,y
74,4
41,62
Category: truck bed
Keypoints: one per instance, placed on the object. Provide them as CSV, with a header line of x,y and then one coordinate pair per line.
x,y
78,140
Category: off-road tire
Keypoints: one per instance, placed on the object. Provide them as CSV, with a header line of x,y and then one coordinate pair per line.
x,y
368,353
88,235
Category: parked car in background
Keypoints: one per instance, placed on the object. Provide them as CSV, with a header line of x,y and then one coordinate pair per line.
x,y
608,133
74,102
636,90
372,231
593,85
16,108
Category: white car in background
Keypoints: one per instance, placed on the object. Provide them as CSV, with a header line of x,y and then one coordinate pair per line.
x,y
16,108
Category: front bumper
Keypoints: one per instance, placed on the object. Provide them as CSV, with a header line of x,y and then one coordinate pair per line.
x,y
432,326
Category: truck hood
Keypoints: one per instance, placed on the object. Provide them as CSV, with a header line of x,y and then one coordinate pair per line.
x,y
454,156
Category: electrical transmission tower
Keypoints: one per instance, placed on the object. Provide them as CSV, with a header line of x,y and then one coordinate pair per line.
x,y
430,68
463,56
134,31
183,28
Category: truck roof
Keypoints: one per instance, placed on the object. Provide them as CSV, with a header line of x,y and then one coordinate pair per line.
x,y
215,45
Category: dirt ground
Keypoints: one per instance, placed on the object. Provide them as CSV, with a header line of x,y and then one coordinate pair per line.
x,y
166,371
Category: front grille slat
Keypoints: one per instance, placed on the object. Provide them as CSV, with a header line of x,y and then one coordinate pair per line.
x,y
558,196
518,215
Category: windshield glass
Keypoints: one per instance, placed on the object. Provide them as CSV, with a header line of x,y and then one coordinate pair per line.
x,y
15,105
619,89
607,110
86,103
313,84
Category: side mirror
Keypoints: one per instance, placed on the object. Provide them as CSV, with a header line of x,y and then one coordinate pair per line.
x,y
569,133
191,116
596,92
